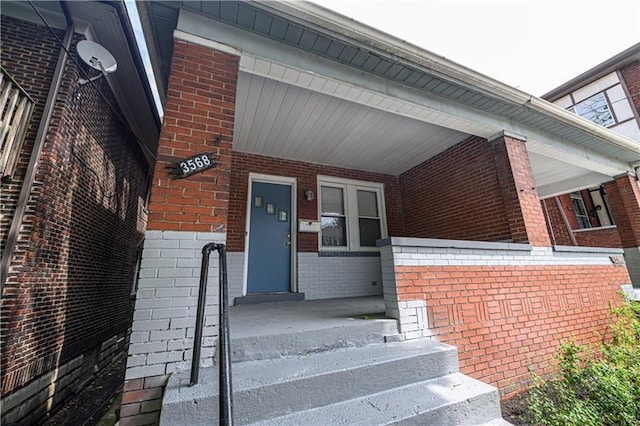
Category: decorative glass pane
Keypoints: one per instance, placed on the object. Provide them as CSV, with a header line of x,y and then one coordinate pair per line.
x,y
367,204
595,109
334,232
369,232
332,200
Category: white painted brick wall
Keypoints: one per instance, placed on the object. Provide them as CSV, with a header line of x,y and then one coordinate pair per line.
x,y
331,277
235,274
166,303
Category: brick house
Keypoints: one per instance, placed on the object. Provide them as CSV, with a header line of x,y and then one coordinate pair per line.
x,y
607,95
350,163
76,164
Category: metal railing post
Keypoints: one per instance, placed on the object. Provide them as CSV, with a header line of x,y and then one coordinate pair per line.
x,y
226,389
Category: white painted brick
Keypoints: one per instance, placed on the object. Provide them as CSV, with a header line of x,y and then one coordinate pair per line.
x,y
178,235
141,315
145,348
175,273
415,303
413,335
139,337
153,235
164,357
161,335
146,371
193,244
177,323
136,360
181,344
158,263
190,263
178,253
173,292
148,273
145,293
185,301
161,244
213,237
150,253
153,303
155,282
170,313
162,324
187,282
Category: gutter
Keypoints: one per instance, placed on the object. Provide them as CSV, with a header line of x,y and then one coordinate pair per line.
x,y
350,30
41,135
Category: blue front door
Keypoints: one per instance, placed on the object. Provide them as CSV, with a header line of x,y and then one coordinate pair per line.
x,y
269,238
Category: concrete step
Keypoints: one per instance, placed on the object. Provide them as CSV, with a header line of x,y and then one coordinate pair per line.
x,y
271,388
454,399
311,340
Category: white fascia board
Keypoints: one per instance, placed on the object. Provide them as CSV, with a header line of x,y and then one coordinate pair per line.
x,y
258,52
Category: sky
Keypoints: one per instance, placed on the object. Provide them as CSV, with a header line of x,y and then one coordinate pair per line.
x,y
533,45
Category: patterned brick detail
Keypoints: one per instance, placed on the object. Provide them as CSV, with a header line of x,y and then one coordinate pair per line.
x,y
306,174
200,107
69,285
624,198
521,202
455,195
506,311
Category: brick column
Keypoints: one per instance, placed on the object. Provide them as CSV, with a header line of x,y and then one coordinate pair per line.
x,y
522,204
184,215
624,199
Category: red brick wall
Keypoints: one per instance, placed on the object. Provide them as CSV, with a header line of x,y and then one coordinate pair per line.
x,y
560,234
306,173
69,285
624,199
506,320
200,106
455,195
631,77
599,237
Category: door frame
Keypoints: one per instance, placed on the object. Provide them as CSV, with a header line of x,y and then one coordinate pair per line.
x,y
279,180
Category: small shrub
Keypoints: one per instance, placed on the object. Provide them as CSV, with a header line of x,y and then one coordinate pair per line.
x,y
594,388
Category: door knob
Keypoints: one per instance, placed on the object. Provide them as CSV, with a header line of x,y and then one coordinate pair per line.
x,y
288,244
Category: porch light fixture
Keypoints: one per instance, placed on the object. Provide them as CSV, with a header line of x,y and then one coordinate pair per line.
x,y
309,195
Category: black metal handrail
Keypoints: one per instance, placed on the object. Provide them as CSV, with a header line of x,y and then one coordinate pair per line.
x,y
226,389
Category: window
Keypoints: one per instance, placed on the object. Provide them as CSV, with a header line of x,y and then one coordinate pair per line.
x,y
352,214
595,109
580,210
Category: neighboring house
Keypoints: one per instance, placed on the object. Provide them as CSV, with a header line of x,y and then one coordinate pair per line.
x,y
76,166
350,163
608,95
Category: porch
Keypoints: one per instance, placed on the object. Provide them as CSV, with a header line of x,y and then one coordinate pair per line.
x,y
333,361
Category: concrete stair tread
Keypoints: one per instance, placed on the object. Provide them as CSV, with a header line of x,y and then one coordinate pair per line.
x,y
311,339
255,374
452,399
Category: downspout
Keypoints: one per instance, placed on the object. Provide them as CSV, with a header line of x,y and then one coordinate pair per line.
x,y
41,135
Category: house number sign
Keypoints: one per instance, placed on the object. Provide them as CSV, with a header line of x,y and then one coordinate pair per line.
x,y
195,164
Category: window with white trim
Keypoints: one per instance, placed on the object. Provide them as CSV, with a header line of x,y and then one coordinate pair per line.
x,y
580,210
352,214
596,109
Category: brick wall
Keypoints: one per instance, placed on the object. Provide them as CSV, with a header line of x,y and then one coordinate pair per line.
x,y
68,288
184,215
631,77
560,234
506,311
599,237
459,183
306,173
199,114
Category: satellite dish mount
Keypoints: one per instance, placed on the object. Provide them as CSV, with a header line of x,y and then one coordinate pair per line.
x,y
98,58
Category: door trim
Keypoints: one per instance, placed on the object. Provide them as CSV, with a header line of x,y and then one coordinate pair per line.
x,y
280,180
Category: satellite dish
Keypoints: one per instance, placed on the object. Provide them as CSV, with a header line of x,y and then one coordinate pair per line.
x,y
96,56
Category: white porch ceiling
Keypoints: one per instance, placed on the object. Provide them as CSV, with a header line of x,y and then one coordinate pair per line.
x,y
278,119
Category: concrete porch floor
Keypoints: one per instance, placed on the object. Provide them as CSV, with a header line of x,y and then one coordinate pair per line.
x,y
309,315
